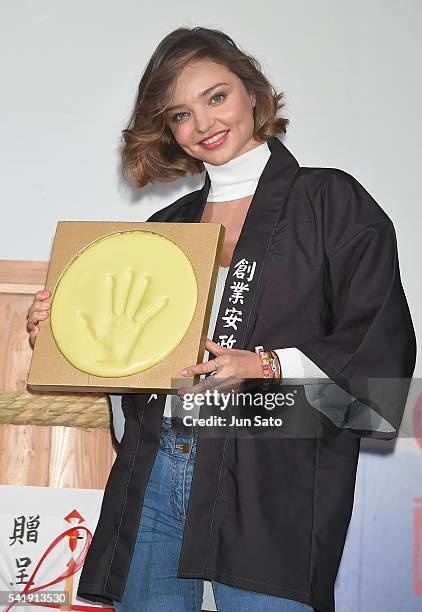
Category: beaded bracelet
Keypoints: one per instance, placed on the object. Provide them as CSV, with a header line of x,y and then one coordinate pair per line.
x,y
267,364
268,361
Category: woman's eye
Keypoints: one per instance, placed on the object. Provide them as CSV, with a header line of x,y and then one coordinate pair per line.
x,y
177,116
219,94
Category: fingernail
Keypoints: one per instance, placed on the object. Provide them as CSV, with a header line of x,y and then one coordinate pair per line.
x,y
45,292
183,372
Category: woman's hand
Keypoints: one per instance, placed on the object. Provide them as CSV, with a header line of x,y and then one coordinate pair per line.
x,y
235,366
38,311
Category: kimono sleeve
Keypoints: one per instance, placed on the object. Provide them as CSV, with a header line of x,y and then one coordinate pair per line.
x,y
370,351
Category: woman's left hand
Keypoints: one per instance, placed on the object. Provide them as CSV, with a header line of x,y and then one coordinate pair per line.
x,y
235,365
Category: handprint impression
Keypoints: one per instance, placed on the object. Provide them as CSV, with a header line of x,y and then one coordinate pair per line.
x,y
115,329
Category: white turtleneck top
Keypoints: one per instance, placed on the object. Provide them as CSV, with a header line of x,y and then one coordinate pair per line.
x,y
235,179
238,177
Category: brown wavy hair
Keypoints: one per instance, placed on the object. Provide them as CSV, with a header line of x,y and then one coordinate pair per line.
x,y
150,152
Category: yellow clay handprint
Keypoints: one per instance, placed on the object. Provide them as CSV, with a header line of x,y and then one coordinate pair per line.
x,y
115,329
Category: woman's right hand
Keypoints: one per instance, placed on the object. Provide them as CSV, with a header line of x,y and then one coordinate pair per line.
x,y
38,311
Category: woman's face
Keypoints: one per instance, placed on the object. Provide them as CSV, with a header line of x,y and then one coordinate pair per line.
x,y
212,103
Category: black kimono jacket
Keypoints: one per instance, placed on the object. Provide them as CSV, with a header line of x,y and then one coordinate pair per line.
x,y
268,512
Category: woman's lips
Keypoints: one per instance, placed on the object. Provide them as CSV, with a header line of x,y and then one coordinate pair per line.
x,y
216,143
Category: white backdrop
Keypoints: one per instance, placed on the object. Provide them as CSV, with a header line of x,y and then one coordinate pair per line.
x,y
70,72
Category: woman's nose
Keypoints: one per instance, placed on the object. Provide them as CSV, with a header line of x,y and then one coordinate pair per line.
x,y
204,123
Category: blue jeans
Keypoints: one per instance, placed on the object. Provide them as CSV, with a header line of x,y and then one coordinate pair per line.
x,y
152,584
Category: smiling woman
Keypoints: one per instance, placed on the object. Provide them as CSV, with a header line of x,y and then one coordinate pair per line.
x,y
260,508
198,88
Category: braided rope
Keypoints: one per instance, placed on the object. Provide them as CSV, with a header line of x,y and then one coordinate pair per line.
x,y
80,410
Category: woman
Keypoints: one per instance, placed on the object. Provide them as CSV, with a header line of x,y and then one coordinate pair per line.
x,y
309,269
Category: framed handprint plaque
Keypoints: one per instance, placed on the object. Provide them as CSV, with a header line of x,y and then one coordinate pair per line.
x,y
130,305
